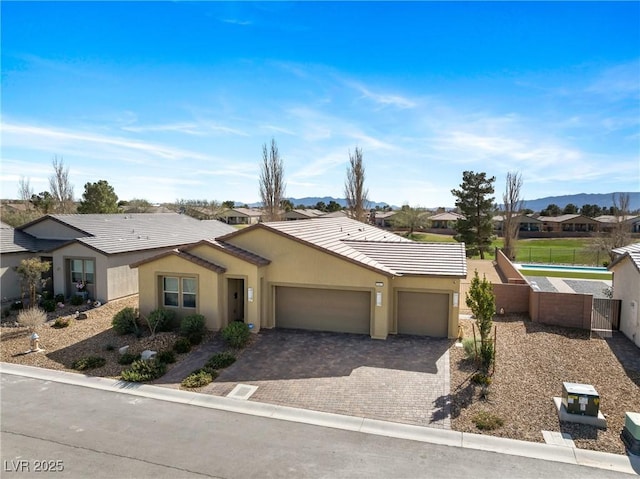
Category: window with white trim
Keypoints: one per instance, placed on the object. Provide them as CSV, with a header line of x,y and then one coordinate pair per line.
x,y
179,292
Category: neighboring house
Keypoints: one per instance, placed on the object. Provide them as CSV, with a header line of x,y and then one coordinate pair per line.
x,y
303,214
626,287
327,274
241,216
608,221
525,223
384,219
446,220
569,223
98,249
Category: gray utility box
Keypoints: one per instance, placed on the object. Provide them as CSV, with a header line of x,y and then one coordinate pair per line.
x,y
580,399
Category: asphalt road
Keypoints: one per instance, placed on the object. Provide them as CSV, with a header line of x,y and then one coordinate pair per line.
x,y
81,432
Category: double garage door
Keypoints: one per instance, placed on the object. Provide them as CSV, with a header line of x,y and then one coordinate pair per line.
x,y
323,309
424,314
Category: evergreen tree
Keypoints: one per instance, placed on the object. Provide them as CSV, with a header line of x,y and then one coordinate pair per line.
x,y
98,198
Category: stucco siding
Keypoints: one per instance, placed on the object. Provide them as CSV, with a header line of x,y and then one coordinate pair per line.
x,y
626,287
61,279
10,282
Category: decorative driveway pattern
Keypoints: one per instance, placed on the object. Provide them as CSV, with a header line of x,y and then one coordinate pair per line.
x,y
404,379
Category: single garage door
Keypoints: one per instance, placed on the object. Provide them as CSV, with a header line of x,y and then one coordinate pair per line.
x,y
323,309
424,314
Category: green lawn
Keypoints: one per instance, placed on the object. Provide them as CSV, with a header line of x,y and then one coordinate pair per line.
x,y
566,274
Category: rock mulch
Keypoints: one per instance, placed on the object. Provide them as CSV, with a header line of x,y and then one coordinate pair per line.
x,y
532,362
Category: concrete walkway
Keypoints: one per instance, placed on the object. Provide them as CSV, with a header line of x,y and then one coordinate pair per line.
x,y
564,454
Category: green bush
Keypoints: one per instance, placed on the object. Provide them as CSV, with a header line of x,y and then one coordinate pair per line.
x,y
90,362
198,378
167,357
17,305
470,346
481,379
141,371
76,300
182,345
60,323
47,296
486,421
49,305
221,360
59,298
161,319
128,358
236,334
192,327
125,321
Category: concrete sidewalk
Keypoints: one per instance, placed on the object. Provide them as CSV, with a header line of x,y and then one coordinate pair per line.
x,y
565,454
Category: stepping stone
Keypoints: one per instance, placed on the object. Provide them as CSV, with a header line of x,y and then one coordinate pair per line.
x,y
124,349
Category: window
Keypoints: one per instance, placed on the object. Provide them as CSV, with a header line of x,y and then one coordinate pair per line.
x,y
82,270
179,292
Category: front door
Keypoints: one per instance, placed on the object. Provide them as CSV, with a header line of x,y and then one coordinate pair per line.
x,y
235,299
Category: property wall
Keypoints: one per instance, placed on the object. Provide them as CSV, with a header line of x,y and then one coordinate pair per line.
x,y
508,270
50,229
513,298
296,264
626,286
561,309
207,297
9,279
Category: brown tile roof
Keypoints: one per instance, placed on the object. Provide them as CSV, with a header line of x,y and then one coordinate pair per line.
x,y
186,256
563,218
232,250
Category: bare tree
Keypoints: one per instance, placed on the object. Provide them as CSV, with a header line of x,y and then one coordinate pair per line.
x,y
25,191
61,188
620,233
356,194
272,185
512,201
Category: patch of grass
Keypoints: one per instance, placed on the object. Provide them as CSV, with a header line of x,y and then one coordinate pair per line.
x,y
485,421
565,274
90,362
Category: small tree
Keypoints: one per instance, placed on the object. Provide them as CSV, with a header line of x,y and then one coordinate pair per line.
x,y
356,194
272,185
481,300
512,206
61,188
30,271
98,198
410,218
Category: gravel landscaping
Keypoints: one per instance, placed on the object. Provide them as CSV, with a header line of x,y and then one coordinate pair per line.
x,y
532,362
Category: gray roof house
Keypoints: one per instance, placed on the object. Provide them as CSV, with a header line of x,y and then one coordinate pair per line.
x,y
97,249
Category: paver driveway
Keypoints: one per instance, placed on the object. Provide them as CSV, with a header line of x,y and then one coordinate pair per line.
x,y
403,379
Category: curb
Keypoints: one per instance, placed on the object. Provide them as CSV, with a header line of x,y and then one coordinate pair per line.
x,y
547,452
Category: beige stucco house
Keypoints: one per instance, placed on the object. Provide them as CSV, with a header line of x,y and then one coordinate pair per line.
x,y
98,249
326,274
626,287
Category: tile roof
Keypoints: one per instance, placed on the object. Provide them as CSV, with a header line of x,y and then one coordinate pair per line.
x,y
120,233
232,250
16,241
370,246
186,256
446,216
630,248
242,211
563,218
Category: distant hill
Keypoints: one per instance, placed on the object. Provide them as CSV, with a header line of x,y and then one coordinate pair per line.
x,y
603,200
313,200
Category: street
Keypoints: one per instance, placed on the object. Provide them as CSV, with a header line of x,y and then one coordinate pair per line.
x,y
70,431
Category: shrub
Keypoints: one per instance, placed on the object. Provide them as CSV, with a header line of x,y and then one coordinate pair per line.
x,y
481,379
76,300
470,346
141,371
128,358
6,312
125,321
192,327
90,362
485,421
221,360
167,357
182,345
49,305
161,320
236,334
60,323
17,305
198,378
31,317
59,298
110,347
47,296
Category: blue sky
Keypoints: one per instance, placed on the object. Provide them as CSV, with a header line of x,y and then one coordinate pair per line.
x,y
175,100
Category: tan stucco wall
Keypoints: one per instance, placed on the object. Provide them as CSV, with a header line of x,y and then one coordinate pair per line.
x,y
626,286
49,229
79,251
207,295
10,280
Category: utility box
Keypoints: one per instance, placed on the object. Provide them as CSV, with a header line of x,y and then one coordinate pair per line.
x,y
631,432
580,399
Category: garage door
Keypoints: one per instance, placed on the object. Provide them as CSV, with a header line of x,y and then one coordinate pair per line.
x,y
424,314
323,309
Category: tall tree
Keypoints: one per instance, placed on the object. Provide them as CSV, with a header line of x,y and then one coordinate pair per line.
x,y
475,228
551,210
98,198
356,194
272,185
570,209
60,188
512,201
25,191
333,206
410,218
591,210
